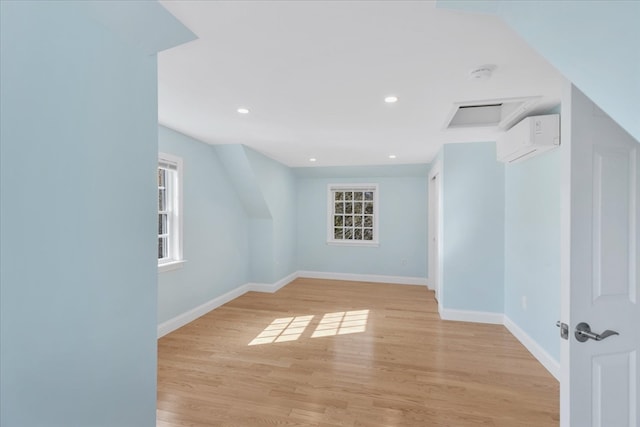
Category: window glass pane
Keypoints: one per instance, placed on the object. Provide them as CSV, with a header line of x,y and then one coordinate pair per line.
x,y
368,195
348,208
357,195
162,247
368,221
357,208
339,207
339,195
162,224
357,234
162,200
348,195
357,221
338,221
348,221
348,233
368,207
368,234
337,233
161,177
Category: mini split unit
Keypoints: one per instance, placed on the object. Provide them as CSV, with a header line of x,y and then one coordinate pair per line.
x,y
530,137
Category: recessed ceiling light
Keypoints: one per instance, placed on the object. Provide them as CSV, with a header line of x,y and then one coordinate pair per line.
x,y
313,159
243,110
391,99
392,156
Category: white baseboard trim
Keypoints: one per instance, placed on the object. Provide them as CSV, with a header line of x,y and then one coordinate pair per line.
x,y
545,359
182,319
552,365
472,316
271,288
399,280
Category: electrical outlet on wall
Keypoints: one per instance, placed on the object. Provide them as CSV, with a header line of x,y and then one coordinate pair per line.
x,y
524,302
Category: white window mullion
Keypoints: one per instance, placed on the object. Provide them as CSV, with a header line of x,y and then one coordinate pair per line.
x,y
173,225
170,202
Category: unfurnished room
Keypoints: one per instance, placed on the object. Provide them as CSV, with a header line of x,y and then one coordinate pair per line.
x,y
319,213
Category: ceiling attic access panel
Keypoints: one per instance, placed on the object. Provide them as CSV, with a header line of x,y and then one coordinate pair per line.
x,y
499,113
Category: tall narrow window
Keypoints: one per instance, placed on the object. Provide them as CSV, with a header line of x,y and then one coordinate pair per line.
x,y
352,215
169,211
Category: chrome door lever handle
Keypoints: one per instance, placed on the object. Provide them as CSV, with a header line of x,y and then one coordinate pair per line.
x,y
606,334
583,333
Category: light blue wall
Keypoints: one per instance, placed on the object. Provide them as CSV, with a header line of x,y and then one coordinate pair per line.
x,y
261,268
278,186
260,227
501,237
78,273
244,179
216,231
595,44
267,190
473,228
532,247
402,227
270,195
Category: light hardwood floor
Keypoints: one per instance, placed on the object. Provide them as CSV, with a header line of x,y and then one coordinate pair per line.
x,y
407,368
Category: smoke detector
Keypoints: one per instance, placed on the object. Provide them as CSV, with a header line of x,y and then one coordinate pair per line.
x,y
483,72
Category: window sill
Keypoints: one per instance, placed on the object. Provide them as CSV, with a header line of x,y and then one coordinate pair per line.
x,y
169,266
353,243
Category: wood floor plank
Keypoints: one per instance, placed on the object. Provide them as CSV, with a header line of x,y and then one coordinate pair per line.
x,y
335,353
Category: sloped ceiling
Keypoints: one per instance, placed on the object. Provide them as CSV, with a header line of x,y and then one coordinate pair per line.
x,y
314,76
595,44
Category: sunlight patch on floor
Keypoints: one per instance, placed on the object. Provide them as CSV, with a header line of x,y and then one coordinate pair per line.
x,y
291,328
342,323
284,329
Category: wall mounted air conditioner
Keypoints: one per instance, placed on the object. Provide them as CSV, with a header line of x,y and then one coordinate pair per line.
x,y
530,137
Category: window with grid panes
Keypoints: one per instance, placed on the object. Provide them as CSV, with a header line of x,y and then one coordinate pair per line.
x,y
353,214
169,206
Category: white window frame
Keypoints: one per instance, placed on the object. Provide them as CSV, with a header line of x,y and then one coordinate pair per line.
x,y
331,188
174,198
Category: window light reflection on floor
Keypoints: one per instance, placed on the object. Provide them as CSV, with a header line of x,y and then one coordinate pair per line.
x,y
331,324
342,323
284,329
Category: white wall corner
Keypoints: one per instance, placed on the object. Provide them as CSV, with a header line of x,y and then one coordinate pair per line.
x,y
272,287
398,280
551,364
472,316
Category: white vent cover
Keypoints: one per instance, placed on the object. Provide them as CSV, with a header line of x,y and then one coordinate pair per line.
x,y
500,113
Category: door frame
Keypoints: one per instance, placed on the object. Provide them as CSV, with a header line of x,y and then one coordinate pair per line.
x,y
435,229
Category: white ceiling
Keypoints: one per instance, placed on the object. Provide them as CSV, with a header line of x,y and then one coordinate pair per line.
x,y
314,75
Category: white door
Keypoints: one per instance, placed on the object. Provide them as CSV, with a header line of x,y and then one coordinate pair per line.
x,y
600,278
434,227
